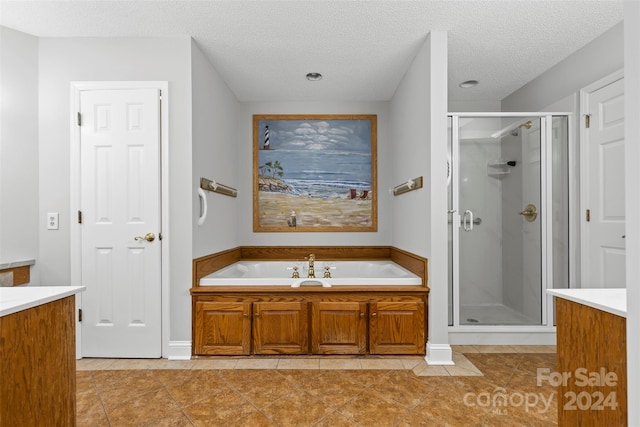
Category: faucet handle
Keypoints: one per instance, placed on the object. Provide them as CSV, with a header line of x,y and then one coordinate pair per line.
x,y
327,272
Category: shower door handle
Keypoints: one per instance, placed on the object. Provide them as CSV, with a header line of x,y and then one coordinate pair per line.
x,y
467,220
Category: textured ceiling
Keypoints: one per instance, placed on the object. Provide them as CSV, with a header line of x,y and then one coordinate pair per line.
x,y
263,49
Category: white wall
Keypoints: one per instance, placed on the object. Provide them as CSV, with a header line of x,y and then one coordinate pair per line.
x,y
244,166
63,60
19,148
481,249
473,106
632,200
419,133
215,156
411,122
595,60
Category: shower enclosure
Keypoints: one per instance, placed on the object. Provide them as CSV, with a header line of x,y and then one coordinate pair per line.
x,y
508,219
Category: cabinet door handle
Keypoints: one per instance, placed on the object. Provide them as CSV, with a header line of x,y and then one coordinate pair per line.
x,y
361,315
257,315
245,315
374,314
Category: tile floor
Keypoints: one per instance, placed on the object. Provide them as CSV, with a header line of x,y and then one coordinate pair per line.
x,y
488,386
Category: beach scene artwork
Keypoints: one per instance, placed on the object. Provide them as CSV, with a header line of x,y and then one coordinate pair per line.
x,y
314,173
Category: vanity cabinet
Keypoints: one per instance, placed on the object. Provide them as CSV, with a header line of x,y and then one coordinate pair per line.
x,y
222,327
397,327
280,327
339,327
319,322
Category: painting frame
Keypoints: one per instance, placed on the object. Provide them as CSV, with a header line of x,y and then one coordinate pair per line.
x,y
312,187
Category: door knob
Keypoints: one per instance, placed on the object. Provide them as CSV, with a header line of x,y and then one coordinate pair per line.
x,y
149,237
529,213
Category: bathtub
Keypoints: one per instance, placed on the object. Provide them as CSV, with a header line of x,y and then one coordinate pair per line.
x,y
343,273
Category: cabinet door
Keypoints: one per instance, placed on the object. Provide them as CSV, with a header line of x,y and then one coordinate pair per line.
x,y
223,328
397,327
339,328
280,328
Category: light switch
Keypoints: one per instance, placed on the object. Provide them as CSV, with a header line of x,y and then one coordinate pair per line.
x,y
52,221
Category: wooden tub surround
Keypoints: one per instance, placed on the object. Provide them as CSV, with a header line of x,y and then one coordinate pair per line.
x,y
344,320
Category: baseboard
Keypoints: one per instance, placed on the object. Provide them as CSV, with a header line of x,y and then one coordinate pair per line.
x,y
179,350
439,354
502,335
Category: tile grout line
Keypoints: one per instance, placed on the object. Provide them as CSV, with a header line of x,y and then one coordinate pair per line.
x,y
173,398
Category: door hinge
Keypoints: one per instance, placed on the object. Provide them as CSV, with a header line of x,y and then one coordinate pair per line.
x,y
79,217
587,120
160,95
588,215
79,119
79,315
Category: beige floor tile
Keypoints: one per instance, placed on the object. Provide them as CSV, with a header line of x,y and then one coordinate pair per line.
x,y
381,364
261,396
457,371
340,364
215,364
89,364
534,348
464,348
174,364
412,363
461,361
427,370
126,364
256,364
495,349
298,364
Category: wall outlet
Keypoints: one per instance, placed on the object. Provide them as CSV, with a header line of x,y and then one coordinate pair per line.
x,y
52,221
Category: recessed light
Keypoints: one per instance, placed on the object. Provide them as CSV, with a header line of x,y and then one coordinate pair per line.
x,y
468,84
314,77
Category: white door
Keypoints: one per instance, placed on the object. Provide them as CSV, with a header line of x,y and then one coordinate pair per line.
x,y
120,205
603,261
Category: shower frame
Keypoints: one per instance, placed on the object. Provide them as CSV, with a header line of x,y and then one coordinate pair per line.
x,y
544,333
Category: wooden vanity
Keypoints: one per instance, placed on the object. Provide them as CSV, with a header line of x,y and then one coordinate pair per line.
x,y
346,320
38,355
592,357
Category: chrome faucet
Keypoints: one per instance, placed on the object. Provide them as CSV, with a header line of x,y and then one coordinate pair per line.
x,y
312,273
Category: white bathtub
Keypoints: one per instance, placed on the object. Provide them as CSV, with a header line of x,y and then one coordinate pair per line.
x,y
343,273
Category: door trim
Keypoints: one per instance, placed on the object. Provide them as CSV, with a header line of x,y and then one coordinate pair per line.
x,y
585,93
74,195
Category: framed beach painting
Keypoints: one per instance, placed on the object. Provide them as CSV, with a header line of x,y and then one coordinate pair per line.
x,y
314,173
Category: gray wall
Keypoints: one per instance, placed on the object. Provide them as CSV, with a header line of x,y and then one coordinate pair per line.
x,y
419,132
210,134
245,174
595,60
19,220
63,60
215,156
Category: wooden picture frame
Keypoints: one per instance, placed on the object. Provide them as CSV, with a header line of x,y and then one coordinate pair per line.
x,y
314,173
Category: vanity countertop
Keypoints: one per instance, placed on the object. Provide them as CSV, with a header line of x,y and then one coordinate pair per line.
x,y
4,264
18,298
611,300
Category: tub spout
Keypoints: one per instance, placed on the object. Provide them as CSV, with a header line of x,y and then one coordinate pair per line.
x,y
312,273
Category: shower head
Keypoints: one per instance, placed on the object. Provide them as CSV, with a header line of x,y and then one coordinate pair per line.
x,y
516,130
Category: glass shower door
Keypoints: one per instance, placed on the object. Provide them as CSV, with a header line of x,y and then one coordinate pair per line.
x,y
496,194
